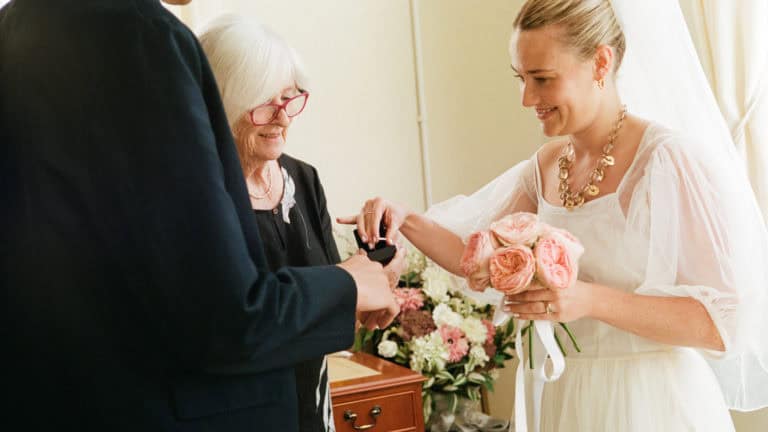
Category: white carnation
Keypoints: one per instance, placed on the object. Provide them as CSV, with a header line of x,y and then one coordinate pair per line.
x,y
387,349
435,284
443,315
475,330
428,353
477,356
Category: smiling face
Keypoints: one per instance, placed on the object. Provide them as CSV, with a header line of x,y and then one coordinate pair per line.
x,y
554,81
264,142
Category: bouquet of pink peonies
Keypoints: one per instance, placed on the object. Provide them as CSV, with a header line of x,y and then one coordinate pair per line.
x,y
518,253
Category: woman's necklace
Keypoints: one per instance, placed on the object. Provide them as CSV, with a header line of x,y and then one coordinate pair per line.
x,y
573,200
269,186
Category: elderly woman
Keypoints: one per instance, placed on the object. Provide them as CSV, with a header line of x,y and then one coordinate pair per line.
x,y
263,89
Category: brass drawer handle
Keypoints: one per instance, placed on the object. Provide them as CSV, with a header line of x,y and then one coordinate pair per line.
x,y
351,416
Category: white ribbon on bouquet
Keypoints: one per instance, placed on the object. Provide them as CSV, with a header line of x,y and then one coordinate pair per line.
x,y
545,333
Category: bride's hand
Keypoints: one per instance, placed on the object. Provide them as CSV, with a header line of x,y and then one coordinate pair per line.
x,y
564,305
372,213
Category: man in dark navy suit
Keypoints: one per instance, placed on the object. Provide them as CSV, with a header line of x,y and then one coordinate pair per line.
x,y
134,286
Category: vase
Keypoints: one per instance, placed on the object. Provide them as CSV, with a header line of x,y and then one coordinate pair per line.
x,y
467,417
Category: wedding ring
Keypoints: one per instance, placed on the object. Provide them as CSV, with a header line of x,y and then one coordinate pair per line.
x,y
550,309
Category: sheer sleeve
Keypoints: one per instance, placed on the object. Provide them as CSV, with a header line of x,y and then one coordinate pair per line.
x,y
514,190
707,241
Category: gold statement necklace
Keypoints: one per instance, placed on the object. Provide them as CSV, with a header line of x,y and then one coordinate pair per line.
x,y
572,200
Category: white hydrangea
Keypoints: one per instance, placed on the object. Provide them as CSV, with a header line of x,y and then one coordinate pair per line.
x,y
443,315
415,261
475,330
428,353
477,356
387,349
435,283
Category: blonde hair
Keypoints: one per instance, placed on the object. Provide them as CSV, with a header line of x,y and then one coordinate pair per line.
x,y
250,63
586,24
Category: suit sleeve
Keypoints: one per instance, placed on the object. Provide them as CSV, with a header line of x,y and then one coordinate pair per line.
x,y
205,275
325,220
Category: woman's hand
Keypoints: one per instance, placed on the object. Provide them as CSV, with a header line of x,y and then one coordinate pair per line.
x,y
539,303
375,211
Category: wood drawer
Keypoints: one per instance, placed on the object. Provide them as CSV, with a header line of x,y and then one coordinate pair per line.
x,y
394,395
396,412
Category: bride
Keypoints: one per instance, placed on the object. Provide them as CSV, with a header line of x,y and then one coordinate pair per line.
x,y
667,306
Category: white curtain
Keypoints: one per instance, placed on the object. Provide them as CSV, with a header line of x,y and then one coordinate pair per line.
x,y
731,38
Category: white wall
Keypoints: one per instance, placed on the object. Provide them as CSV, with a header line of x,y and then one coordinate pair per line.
x,y
360,128
478,127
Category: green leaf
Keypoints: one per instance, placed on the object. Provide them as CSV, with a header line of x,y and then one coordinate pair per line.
x,y
461,379
510,326
476,378
453,402
444,375
428,383
450,388
473,394
427,408
489,385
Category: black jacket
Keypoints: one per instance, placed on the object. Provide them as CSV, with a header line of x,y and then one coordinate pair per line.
x,y
136,295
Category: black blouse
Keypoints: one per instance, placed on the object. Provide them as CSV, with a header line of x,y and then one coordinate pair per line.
x,y
307,240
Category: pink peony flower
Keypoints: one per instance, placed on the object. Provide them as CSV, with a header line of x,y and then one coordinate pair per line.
x,y
474,261
575,249
516,229
512,269
491,331
458,346
554,267
409,298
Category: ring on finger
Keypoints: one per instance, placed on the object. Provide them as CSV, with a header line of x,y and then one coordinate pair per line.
x,y
548,306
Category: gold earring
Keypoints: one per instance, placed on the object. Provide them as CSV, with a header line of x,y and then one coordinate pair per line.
x,y
601,83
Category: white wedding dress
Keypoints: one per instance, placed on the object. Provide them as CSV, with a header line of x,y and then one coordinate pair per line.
x,y
619,381
675,228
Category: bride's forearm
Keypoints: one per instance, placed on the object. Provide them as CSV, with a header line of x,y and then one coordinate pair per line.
x,y
442,246
681,321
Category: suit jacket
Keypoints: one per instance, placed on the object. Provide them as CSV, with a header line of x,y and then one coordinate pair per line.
x,y
135,290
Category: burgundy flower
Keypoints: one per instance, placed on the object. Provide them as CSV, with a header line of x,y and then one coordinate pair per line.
x,y
416,323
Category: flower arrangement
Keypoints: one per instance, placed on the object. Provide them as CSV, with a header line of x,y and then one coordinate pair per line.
x,y
519,253
443,332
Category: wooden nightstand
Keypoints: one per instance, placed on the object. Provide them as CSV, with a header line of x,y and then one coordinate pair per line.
x,y
387,402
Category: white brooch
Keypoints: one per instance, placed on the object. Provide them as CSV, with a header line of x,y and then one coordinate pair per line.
x,y
288,200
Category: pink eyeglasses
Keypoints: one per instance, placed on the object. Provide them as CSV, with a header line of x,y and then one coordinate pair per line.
x,y
267,113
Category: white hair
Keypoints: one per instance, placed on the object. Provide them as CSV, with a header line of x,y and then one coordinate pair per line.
x,y
250,62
